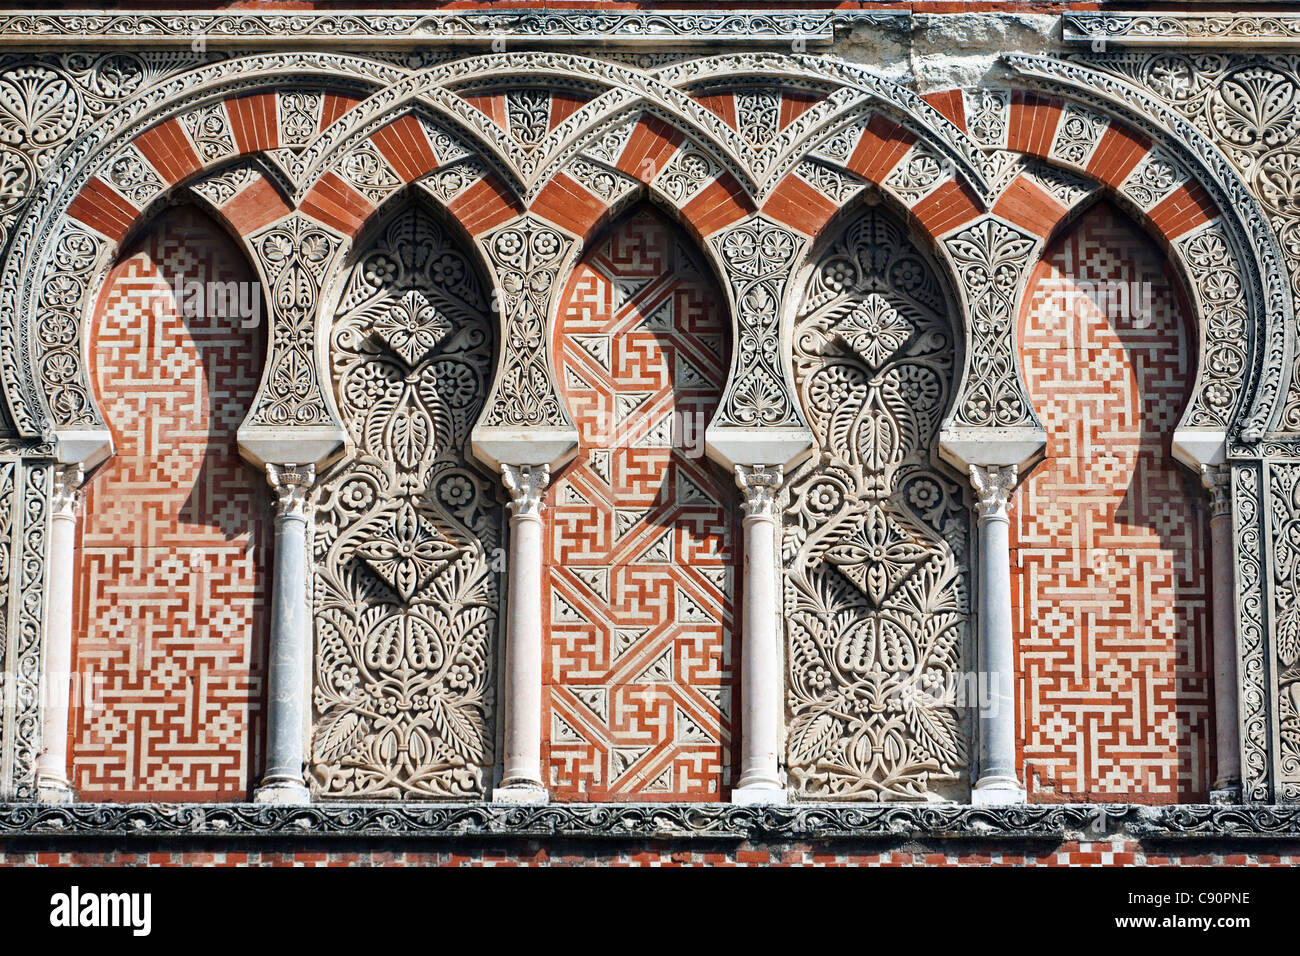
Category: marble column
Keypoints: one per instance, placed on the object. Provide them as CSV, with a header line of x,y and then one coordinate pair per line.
x,y
999,781
52,784
1217,480
760,654
286,738
521,778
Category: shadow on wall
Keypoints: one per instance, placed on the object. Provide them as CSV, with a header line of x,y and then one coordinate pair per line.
x,y
172,607
1111,533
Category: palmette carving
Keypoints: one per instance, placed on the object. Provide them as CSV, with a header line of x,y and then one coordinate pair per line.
x,y
991,257
406,531
875,536
526,256
758,255
294,256
1285,494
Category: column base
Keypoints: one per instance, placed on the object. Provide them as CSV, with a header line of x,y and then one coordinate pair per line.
x,y
517,793
997,792
759,796
1226,795
54,792
283,793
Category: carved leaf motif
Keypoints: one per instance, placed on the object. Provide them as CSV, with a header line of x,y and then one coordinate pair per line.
x,y
875,597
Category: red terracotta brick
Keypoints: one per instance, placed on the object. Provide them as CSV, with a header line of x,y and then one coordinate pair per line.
x,y
335,105
722,105
1118,151
103,209
800,206
168,151
336,204
718,204
406,147
882,145
254,206
568,204
564,105
950,104
253,122
794,105
1185,208
948,207
491,105
1027,204
485,204
1032,122
648,148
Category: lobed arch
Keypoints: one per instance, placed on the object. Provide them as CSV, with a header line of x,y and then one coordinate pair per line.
x,y
1115,161
1252,249
56,407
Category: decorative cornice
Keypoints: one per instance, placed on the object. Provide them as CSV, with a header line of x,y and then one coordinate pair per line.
x,y
369,30
650,821
1182,29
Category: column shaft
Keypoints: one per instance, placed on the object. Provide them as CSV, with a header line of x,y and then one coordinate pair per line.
x,y
999,779
761,681
1227,742
521,778
286,754
52,766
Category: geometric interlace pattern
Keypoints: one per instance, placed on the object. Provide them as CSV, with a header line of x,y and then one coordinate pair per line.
x,y
1110,534
641,538
173,568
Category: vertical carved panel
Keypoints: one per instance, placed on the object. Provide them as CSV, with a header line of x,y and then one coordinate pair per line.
x,y
641,537
173,587
1110,583
875,537
406,532
1284,487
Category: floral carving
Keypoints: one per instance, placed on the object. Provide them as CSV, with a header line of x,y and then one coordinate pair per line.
x,y
526,256
991,258
294,256
758,255
405,597
875,537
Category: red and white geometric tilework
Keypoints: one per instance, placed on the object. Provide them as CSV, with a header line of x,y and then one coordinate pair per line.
x,y
1109,533
641,539
173,568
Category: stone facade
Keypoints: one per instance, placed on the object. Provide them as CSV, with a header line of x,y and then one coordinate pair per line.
x,y
805,423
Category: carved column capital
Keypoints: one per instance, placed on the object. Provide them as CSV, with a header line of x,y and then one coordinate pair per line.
x,y
526,484
1217,481
759,485
291,483
993,485
67,490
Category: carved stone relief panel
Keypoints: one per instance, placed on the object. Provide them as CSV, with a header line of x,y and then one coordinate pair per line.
x,y
407,532
875,540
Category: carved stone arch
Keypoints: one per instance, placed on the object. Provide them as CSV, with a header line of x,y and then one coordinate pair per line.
x,y
47,232
1162,195
89,247
876,528
1250,243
